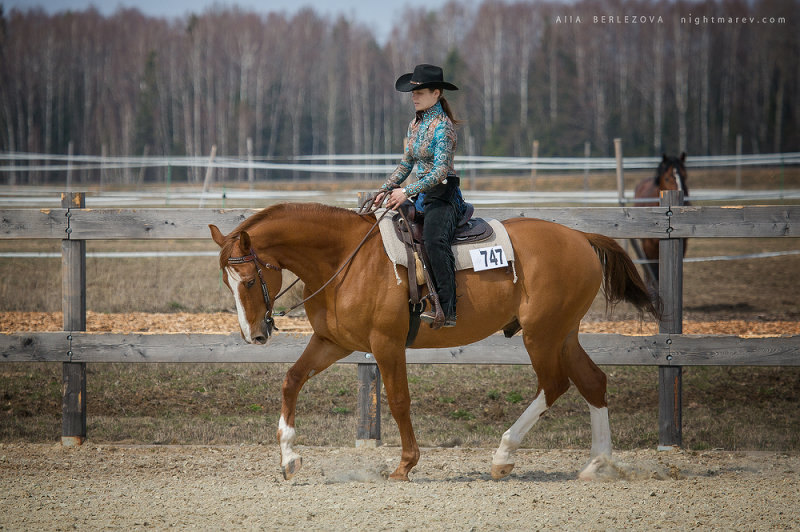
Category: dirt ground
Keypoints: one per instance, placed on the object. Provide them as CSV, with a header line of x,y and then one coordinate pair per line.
x,y
45,486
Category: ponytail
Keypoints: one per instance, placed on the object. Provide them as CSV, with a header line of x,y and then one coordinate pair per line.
x,y
447,110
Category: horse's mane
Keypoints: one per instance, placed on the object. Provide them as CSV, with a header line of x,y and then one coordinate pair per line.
x,y
274,211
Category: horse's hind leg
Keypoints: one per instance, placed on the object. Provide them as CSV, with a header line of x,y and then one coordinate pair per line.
x,y
591,383
553,382
318,355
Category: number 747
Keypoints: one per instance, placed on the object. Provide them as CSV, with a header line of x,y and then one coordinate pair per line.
x,y
493,256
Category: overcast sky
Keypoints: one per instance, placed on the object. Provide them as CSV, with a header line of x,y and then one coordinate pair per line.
x,y
377,14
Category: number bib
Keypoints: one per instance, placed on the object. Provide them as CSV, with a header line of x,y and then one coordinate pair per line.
x,y
488,258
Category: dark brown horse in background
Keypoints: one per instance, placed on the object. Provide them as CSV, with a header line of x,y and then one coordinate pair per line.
x,y
558,271
670,175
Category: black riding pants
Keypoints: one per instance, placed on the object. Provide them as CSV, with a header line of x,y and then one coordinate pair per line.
x,y
439,232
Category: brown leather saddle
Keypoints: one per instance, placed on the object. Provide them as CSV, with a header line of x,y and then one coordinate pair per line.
x,y
468,230
408,224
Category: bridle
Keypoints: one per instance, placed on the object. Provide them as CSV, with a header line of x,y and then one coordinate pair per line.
x,y
252,257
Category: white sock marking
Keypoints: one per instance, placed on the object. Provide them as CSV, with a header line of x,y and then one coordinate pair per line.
x,y
235,280
513,437
286,441
601,432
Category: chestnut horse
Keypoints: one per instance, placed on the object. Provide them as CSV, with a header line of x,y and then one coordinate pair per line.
x,y
560,270
670,175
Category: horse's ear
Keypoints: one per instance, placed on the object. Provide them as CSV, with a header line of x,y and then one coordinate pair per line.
x,y
216,235
683,157
664,157
244,241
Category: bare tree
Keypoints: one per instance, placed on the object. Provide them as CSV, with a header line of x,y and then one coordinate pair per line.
x,y
681,83
552,62
658,88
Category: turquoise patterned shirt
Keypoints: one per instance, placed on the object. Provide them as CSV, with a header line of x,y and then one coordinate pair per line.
x,y
432,145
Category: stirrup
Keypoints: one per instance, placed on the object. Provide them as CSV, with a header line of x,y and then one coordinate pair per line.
x,y
429,316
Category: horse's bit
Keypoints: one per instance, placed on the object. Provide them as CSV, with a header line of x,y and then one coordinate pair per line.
x,y
252,257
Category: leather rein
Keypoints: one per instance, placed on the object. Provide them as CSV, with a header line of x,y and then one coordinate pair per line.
x,y
252,257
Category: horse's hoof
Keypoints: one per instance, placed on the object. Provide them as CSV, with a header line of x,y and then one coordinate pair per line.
x,y
291,469
501,471
600,467
399,476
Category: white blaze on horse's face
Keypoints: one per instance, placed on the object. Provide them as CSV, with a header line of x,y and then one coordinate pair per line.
x,y
677,175
235,282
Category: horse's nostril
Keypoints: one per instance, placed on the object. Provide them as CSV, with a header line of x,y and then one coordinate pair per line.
x,y
260,339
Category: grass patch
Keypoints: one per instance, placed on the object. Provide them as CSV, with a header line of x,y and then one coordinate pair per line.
x,y
461,414
240,403
514,397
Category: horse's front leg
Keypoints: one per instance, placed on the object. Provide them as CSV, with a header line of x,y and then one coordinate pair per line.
x,y
392,364
318,355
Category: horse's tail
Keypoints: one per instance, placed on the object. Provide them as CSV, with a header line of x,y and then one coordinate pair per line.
x,y
621,280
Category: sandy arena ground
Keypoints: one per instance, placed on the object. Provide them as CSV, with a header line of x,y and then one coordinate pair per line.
x,y
45,486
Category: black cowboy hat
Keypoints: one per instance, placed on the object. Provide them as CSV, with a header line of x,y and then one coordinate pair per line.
x,y
423,77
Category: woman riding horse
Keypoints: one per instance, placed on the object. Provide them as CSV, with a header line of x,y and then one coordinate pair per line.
x,y
431,143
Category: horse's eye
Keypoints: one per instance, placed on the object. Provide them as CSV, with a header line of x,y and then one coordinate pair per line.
x,y
250,283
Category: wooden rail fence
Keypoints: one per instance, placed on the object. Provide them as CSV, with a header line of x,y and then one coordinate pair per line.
x,y
669,350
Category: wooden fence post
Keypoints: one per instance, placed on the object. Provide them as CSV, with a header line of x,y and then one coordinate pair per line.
x,y
368,432
670,285
209,175
738,161
251,178
471,151
73,305
587,152
70,149
620,172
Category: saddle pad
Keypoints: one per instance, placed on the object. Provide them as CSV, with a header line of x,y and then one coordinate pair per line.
x,y
396,250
